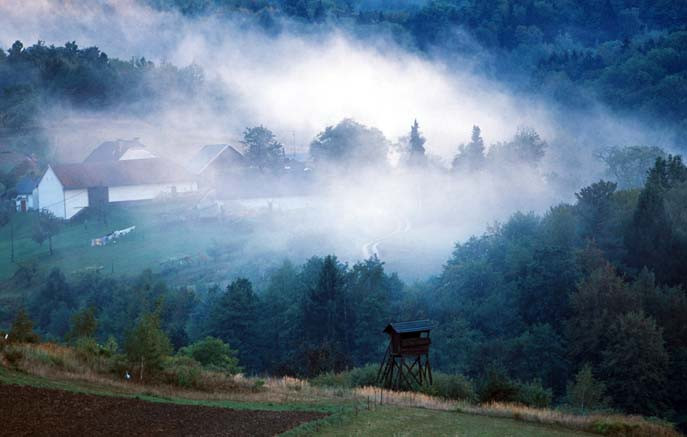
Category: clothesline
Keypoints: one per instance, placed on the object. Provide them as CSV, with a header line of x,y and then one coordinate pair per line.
x,y
111,237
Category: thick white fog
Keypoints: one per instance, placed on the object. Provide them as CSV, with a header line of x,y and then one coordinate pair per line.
x,y
297,84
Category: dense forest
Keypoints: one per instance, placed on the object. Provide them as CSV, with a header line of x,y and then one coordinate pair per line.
x,y
596,286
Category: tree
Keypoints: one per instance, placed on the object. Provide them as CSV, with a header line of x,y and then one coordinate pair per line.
x,y
147,345
7,212
371,292
325,320
46,227
629,166
416,143
261,148
235,321
84,325
350,143
214,354
635,364
22,329
586,392
593,204
526,147
55,298
650,237
15,51
599,300
470,156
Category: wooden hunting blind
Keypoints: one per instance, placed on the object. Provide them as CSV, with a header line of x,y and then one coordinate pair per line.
x,y
406,360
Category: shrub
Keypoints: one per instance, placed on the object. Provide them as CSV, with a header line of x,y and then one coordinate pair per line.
x,y
181,371
13,356
110,348
450,387
22,329
213,354
363,376
331,379
87,349
586,392
533,394
498,387
84,325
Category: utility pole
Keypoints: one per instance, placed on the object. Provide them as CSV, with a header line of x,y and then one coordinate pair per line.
x,y
293,149
11,239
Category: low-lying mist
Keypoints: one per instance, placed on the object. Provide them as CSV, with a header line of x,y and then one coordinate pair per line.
x,y
298,83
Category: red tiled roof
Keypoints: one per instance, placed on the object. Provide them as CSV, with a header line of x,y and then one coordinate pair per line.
x,y
117,173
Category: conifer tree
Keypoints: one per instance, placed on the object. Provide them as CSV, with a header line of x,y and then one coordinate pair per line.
x,y
416,144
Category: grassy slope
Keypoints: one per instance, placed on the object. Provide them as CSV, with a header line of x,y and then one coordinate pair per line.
x,y
158,237
344,420
397,421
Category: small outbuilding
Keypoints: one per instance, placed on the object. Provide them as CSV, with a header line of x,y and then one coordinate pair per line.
x,y
27,196
218,165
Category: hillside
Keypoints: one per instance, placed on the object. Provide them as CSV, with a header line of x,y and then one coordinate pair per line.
x,y
255,407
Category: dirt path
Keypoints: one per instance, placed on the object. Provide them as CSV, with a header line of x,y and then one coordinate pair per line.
x,y
45,412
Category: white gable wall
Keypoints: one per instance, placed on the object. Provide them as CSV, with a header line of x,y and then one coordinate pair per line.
x,y
51,194
136,153
75,201
127,193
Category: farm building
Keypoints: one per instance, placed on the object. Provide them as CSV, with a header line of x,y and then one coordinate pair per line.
x,y
67,189
27,196
215,162
119,150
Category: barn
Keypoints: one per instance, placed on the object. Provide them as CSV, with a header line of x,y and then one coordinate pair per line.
x,y
215,163
66,189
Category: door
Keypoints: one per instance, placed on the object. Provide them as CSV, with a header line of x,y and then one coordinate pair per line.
x,y
23,205
98,197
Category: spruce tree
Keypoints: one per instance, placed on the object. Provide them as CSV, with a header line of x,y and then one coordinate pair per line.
x,y
416,144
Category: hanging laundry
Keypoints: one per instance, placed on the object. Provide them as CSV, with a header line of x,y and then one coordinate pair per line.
x,y
111,237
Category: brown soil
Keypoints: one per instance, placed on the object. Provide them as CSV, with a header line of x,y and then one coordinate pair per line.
x,y
45,412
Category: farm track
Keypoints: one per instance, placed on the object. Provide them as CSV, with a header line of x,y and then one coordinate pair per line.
x,y
34,411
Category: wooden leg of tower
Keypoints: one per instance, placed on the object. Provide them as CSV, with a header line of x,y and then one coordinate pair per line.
x,y
382,366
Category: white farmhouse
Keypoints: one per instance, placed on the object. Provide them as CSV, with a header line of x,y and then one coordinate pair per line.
x,y
66,189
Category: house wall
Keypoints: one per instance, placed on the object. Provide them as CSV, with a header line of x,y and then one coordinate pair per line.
x,y
145,192
51,194
75,201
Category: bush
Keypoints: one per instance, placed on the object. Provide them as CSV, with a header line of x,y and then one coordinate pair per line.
x,y
13,356
533,394
87,349
451,387
111,347
22,329
498,387
331,379
181,371
363,376
213,354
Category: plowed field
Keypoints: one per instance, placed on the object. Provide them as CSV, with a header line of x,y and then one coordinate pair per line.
x,y
45,412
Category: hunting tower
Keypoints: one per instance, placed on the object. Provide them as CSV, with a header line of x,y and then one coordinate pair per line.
x,y
407,357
